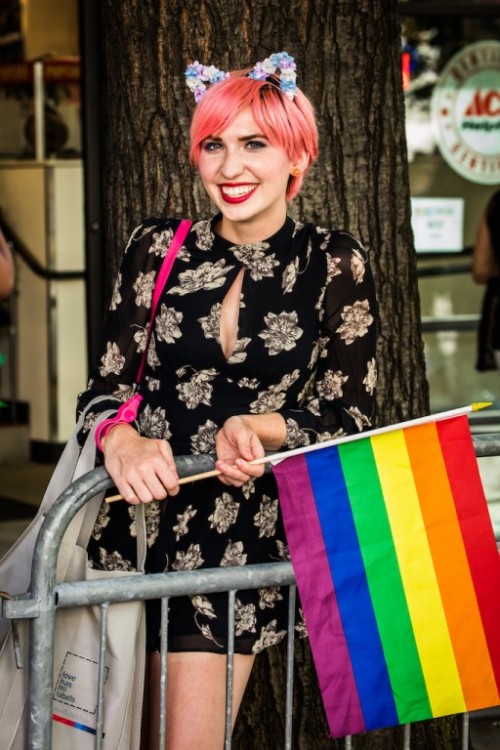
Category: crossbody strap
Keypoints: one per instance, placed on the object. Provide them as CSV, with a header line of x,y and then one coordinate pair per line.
x,y
176,244
128,411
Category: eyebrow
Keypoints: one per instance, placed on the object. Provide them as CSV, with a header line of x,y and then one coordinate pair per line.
x,y
242,139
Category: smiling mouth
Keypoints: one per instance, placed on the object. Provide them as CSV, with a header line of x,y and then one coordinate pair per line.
x,y
237,193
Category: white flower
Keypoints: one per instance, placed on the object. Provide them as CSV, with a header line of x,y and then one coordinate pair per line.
x,y
189,560
116,296
160,242
198,390
357,266
332,266
266,518
141,338
112,361
233,555
210,324
295,436
181,527
154,423
256,260
269,636
205,276
143,287
245,619
290,276
370,380
203,606
113,561
225,513
204,440
331,386
269,596
282,332
357,319
239,354
360,420
167,324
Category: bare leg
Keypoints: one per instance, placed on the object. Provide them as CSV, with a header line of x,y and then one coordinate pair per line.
x,y
196,699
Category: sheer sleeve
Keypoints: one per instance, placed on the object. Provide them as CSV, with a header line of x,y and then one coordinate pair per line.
x,y
124,333
339,396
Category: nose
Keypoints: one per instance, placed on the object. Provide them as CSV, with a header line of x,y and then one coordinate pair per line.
x,y
232,165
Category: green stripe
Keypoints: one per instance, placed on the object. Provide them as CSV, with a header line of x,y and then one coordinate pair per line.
x,y
384,581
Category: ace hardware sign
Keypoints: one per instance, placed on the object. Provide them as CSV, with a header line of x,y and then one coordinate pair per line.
x,y
465,111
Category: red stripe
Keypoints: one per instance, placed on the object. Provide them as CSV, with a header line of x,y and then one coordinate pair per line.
x,y
63,720
475,524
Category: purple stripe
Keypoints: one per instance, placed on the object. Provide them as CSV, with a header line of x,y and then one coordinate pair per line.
x,y
318,598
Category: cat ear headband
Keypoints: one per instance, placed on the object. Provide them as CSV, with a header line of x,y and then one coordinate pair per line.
x,y
281,64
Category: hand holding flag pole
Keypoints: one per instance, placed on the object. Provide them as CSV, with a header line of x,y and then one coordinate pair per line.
x,y
274,458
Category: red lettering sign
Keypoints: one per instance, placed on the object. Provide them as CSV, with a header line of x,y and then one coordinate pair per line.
x,y
487,104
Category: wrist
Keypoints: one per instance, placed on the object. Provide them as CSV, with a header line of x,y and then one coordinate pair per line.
x,y
113,429
269,428
117,432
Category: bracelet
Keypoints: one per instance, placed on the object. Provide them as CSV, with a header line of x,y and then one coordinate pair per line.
x,y
126,414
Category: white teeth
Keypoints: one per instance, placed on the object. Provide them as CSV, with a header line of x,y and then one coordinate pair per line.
x,y
237,192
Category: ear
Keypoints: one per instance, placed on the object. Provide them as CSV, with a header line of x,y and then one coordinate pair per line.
x,y
300,165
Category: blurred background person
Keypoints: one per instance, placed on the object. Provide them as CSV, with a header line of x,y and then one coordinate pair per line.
x,y
486,270
7,274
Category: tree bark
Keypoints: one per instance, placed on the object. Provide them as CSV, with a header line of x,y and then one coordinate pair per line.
x,y
348,61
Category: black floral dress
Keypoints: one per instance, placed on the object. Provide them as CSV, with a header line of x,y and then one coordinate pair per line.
x,y
305,348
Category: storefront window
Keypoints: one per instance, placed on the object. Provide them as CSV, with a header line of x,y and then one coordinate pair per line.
x,y
451,75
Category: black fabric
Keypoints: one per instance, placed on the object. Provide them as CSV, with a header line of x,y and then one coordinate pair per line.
x,y
305,349
488,338
489,328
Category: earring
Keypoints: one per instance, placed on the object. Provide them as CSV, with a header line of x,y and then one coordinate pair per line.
x,y
296,171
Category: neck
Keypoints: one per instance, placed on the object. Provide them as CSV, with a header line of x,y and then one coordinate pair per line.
x,y
241,233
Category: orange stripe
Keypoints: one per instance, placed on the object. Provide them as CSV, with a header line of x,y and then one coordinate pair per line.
x,y
452,568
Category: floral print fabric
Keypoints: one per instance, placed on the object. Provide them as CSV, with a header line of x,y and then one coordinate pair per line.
x,y
305,348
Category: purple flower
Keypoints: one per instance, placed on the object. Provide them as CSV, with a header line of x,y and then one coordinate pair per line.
x,y
259,73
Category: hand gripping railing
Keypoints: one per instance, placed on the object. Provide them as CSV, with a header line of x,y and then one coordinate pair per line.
x,y
46,596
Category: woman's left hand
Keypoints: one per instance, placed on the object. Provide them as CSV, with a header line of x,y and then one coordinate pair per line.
x,y
236,445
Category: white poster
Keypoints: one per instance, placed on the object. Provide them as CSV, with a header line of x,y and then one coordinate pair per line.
x,y
438,224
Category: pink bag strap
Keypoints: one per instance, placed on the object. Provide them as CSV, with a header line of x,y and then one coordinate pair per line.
x,y
163,274
168,261
128,411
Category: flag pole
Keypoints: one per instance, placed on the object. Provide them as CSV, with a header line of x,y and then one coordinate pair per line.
x,y
275,458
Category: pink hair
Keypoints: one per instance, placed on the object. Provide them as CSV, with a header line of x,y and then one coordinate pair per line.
x,y
290,124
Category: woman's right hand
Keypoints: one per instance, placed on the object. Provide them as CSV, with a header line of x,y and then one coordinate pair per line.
x,y
142,469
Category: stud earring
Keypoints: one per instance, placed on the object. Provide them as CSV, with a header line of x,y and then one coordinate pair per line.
x,y
295,171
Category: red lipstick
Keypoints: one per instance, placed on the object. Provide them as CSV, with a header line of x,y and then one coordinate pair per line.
x,y
236,193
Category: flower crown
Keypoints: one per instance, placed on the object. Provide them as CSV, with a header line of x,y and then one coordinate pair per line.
x,y
280,64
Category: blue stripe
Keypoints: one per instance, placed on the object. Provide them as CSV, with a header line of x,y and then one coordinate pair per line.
x,y
351,587
84,728
74,724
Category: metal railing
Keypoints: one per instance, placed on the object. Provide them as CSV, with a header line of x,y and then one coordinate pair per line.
x,y
47,596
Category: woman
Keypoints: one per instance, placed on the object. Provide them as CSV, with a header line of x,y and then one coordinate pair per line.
x,y
486,270
264,340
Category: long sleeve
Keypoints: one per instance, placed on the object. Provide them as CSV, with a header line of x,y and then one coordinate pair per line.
x,y
124,333
339,396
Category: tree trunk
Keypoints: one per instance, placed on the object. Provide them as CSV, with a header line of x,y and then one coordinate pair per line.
x,y
348,61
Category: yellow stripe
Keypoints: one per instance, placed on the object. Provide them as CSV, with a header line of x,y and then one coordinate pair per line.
x,y
418,574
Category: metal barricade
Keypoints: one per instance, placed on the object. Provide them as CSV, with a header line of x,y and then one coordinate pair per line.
x,y
46,597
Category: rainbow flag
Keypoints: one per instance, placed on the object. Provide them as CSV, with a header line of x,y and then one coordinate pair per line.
x,y
398,573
